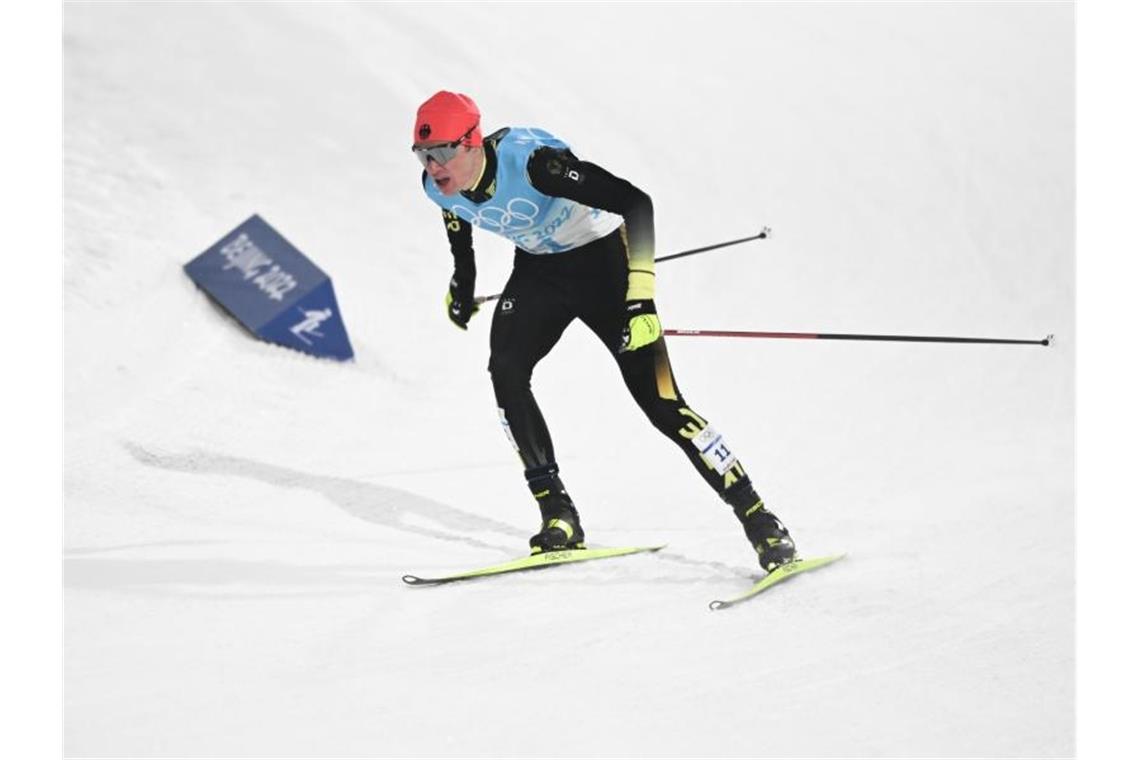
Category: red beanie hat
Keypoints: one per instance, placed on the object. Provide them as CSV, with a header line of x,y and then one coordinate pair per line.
x,y
447,116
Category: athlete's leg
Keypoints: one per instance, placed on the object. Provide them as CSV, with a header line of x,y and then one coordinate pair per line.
x,y
649,377
648,374
529,319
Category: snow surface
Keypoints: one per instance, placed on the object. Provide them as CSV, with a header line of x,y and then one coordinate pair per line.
x,y
238,515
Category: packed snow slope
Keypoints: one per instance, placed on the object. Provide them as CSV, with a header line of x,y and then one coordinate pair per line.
x,y
238,515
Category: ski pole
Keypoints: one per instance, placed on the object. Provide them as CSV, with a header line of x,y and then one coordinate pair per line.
x,y
763,234
851,336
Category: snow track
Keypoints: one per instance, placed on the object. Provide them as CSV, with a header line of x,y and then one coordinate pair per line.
x,y
238,516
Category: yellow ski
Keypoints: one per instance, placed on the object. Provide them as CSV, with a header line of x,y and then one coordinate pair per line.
x,y
782,573
533,562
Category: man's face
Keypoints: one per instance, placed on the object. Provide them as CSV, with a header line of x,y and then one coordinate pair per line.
x,y
456,174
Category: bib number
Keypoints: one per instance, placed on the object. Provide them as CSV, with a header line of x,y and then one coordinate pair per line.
x,y
714,450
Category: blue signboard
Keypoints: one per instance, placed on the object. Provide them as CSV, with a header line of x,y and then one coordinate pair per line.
x,y
271,288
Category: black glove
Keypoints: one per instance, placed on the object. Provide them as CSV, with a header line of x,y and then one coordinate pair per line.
x,y
460,298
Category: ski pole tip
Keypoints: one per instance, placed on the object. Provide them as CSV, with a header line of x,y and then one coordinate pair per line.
x,y
1048,340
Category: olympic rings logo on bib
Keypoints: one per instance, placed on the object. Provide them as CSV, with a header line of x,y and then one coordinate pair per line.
x,y
520,214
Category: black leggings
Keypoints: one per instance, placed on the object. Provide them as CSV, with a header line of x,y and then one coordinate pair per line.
x,y
544,294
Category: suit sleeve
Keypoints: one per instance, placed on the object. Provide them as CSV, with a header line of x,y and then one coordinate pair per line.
x,y
459,237
559,173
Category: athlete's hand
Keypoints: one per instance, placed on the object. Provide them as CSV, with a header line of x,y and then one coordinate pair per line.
x,y
642,327
460,298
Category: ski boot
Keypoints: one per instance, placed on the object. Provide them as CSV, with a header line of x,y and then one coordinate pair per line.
x,y
561,528
769,537
773,544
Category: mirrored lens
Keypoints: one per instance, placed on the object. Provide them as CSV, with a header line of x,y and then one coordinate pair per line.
x,y
441,154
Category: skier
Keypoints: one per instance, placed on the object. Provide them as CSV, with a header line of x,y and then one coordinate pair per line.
x,y
308,326
584,247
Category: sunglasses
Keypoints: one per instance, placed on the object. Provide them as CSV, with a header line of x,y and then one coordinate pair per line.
x,y
441,154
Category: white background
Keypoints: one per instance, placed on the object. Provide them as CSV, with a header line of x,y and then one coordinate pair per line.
x,y
216,566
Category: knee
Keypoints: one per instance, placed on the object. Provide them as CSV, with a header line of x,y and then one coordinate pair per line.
x,y
509,372
665,416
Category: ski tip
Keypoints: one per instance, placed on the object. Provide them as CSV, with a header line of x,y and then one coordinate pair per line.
x,y
778,575
413,580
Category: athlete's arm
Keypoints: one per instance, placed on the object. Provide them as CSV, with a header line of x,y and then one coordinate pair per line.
x,y
460,238
558,172
461,289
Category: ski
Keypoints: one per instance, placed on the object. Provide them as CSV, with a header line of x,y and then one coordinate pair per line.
x,y
780,574
533,562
